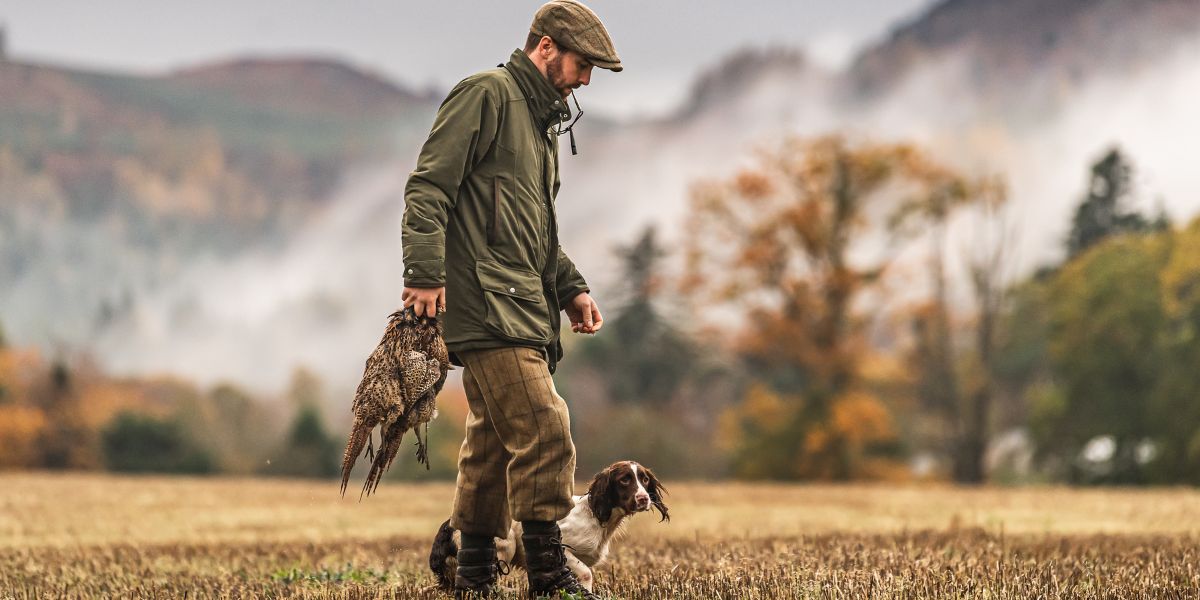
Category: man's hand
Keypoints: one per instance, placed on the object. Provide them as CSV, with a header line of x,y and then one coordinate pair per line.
x,y
427,301
584,314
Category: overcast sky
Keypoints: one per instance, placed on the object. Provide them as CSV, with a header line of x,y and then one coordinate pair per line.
x,y
662,43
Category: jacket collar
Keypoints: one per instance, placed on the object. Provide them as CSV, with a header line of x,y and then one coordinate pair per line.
x,y
544,101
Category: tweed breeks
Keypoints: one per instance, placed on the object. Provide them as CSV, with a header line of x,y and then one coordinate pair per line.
x,y
517,460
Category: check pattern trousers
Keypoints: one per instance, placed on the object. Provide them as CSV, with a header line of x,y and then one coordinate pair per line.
x,y
517,460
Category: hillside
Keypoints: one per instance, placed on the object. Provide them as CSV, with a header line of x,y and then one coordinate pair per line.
x,y
280,128
114,184
998,43
301,86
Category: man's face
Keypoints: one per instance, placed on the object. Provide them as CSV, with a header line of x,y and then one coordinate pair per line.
x,y
568,70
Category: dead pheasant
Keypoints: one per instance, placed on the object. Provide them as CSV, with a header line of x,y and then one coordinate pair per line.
x,y
398,392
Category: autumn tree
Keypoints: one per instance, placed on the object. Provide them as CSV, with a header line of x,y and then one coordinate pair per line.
x,y
22,424
773,250
66,441
956,383
926,214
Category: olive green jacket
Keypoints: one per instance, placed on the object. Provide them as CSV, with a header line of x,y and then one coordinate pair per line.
x,y
479,213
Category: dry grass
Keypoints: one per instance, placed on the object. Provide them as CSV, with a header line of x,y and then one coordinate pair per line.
x,y
100,536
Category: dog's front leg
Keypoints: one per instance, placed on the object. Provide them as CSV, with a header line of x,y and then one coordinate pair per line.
x,y
582,572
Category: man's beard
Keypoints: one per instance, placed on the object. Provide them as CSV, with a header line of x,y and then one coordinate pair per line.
x,y
554,74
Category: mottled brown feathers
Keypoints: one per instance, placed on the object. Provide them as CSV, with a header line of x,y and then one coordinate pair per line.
x,y
398,392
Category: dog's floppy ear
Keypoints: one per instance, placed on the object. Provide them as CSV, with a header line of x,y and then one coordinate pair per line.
x,y
600,495
657,491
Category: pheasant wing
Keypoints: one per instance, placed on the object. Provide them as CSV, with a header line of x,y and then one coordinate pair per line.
x,y
419,374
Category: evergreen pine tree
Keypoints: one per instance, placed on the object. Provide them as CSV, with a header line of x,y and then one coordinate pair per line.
x,y
1105,209
647,357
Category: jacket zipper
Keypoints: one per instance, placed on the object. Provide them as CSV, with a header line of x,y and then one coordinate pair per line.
x,y
495,210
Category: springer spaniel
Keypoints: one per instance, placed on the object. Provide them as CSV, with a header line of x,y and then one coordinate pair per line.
x,y
620,490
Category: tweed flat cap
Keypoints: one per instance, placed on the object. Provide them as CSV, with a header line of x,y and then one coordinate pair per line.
x,y
575,26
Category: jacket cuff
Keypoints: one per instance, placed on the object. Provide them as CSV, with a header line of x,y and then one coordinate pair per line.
x,y
424,260
564,301
425,273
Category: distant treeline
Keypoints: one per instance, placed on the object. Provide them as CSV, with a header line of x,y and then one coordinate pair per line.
x,y
827,322
56,415
789,350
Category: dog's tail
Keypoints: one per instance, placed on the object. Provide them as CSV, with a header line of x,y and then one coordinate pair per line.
x,y
443,557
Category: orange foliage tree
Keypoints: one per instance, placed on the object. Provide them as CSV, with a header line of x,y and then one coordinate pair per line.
x,y
21,425
780,248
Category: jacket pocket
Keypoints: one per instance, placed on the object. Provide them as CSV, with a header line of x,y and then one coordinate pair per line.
x,y
516,305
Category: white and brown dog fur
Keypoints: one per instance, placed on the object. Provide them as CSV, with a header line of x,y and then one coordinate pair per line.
x,y
616,493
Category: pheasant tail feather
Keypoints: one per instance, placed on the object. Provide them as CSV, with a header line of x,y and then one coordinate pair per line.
x,y
390,445
360,434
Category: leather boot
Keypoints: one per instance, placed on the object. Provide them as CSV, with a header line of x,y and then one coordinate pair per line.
x,y
478,568
546,562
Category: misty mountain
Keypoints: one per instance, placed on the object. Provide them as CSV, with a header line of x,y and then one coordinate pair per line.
x,y
1031,89
1014,57
280,127
735,76
1060,45
236,219
115,185
325,88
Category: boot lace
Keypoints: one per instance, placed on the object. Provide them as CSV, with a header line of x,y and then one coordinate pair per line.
x,y
562,580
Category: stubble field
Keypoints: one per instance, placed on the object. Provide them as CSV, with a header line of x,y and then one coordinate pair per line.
x,y
99,536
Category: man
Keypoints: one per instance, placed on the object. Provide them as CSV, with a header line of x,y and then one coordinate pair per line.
x,y
481,243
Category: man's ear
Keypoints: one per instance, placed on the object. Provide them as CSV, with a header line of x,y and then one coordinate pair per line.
x,y
547,47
